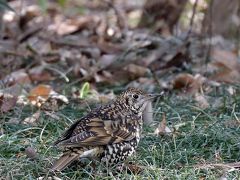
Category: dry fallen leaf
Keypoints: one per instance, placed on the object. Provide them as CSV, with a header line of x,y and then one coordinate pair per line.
x,y
201,101
52,115
45,97
110,48
17,77
223,177
231,90
136,71
39,73
39,94
162,128
49,178
228,66
189,83
225,58
163,58
143,83
103,76
65,26
235,123
106,60
1,131
135,169
32,120
31,152
226,166
14,120
28,14
183,81
7,102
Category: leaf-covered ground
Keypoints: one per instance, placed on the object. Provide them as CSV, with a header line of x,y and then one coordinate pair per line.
x,y
201,146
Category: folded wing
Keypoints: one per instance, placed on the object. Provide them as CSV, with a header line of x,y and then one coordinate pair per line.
x,y
96,132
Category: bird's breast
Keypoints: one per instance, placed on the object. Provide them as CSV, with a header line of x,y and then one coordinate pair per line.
x,y
119,152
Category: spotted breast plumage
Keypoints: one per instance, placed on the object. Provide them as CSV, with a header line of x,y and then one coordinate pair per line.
x,y
110,133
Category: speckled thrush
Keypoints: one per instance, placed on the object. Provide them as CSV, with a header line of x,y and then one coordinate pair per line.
x,y
110,133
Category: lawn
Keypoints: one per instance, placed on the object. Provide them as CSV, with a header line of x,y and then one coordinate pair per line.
x,y
202,144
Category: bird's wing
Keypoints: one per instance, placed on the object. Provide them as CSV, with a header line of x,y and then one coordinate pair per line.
x,y
96,131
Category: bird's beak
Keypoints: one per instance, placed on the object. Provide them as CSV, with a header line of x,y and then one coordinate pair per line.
x,y
143,102
153,96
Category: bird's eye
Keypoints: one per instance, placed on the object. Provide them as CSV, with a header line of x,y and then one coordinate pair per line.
x,y
135,96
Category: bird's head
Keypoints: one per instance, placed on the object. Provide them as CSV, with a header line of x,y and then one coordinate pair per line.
x,y
136,99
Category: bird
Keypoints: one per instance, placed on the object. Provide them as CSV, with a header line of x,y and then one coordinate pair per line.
x,y
109,133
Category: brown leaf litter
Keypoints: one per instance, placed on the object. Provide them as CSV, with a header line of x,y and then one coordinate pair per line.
x,y
162,128
44,97
228,66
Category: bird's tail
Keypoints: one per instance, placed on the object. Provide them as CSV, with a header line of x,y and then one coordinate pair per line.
x,y
66,159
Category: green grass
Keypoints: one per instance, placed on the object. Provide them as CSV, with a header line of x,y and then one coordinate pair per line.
x,y
207,136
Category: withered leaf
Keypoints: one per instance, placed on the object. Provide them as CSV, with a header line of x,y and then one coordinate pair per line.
x,y
201,101
39,94
228,66
17,77
136,71
226,166
106,60
135,169
31,152
162,128
46,98
64,27
32,120
7,102
189,83
39,73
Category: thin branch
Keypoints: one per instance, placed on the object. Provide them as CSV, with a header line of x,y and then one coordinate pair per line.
x,y
238,32
48,66
61,42
192,19
1,24
119,14
209,32
13,53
